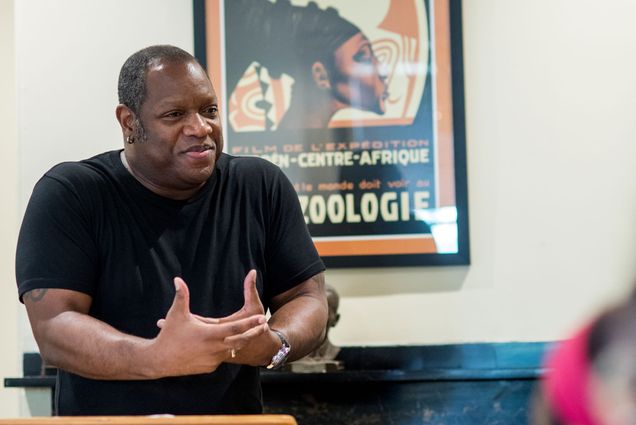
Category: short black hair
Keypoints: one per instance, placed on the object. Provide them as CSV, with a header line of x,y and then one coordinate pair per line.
x,y
131,87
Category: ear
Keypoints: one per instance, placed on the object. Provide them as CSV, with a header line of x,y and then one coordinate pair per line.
x,y
320,75
126,118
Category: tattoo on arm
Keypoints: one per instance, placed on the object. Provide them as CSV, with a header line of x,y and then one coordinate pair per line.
x,y
35,295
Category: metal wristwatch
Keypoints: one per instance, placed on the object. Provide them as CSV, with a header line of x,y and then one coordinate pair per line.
x,y
279,358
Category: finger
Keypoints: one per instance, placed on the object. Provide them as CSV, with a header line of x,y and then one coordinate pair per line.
x,y
240,341
181,302
232,317
250,293
237,327
251,304
209,320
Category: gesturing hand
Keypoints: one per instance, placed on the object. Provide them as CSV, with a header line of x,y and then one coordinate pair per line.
x,y
188,344
257,345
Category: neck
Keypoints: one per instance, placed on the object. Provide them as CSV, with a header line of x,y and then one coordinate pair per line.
x,y
179,195
315,113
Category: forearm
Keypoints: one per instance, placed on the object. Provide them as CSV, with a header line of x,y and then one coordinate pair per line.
x,y
303,319
85,346
72,340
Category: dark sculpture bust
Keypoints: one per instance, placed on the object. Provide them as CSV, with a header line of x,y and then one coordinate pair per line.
x,y
326,350
323,358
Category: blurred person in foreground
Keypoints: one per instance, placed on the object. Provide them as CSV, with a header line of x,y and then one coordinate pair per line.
x,y
147,271
590,379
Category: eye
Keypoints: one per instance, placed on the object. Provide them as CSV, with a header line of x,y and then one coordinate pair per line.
x,y
364,55
210,111
173,114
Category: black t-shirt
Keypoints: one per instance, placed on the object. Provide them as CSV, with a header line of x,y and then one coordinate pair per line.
x,y
91,227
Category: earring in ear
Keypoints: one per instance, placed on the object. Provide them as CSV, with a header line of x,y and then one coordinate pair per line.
x,y
130,139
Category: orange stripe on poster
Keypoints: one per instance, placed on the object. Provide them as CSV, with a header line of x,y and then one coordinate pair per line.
x,y
213,48
279,98
445,157
425,245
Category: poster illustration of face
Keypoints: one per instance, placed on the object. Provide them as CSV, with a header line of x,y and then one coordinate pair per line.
x,y
354,102
369,69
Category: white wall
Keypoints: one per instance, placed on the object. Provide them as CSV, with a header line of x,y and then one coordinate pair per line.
x,y
9,354
550,104
551,130
68,55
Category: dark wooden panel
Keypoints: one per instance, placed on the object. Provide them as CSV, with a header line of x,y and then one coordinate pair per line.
x,y
490,402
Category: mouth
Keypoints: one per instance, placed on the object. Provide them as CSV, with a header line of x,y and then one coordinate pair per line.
x,y
199,151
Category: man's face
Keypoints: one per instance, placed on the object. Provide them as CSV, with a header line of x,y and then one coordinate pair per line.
x,y
182,127
358,80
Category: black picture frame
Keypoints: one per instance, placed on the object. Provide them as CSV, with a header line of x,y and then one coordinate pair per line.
x,y
218,53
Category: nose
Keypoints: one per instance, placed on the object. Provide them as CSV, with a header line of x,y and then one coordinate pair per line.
x,y
197,126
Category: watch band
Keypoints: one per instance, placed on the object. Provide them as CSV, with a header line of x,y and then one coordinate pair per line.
x,y
279,358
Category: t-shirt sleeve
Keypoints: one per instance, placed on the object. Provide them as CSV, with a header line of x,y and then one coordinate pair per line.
x,y
291,253
55,248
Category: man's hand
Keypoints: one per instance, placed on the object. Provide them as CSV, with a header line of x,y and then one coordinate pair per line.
x,y
256,346
300,313
188,344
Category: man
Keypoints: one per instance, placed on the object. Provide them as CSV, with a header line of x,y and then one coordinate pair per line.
x,y
143,270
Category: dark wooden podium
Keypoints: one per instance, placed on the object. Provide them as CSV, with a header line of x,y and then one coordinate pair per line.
x,y
156,420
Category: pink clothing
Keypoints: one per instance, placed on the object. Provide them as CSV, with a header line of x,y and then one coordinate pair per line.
x,y
567,380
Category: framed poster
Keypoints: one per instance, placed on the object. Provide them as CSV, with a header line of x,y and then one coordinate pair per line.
x,y
361,105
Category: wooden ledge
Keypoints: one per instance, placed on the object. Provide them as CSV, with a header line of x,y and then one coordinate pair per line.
x,y
155,420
